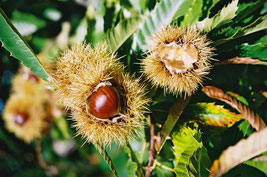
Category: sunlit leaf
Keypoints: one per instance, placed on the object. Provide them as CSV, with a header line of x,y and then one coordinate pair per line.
x,y
173,116
222,17
193,13
254,119
18,47
185,144
259,164
244,150
26,23
258,25
116,36
161,16
212,115
254,51
133,162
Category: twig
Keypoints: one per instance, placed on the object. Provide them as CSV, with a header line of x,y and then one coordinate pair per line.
x,y
163,166
52,170
253,118
151,148
240,60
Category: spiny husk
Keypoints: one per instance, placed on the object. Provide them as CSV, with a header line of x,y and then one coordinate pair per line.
x,y
28,88
177,83
38,121
33,99
78,72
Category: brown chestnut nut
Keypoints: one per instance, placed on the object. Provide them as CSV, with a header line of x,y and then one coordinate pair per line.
x,y
104,102
21,118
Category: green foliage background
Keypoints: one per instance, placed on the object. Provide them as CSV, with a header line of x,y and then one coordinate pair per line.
x,y
237,29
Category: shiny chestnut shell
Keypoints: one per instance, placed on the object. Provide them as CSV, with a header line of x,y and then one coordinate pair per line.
x,y
104,103
20,118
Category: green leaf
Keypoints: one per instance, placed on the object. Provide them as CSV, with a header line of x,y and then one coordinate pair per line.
x,y
212,115
117,35
133,162
164,168
222,17
18,47
238,97
247,8
261,165
26,23
160,17
107,158
244,170
193,13
173,116
258,25
200,163
186,143
254,51
244,150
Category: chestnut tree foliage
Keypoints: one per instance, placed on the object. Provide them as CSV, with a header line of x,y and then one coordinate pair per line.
x,y
218,130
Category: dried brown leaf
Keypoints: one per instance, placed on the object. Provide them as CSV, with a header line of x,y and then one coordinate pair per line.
x,y
241,60
253,118
244,150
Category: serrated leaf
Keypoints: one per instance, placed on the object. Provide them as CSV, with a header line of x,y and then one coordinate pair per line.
x,y
244,150
102,151
247,8
212,115
258,25
185,145
200,163
18,47
193,13
117,35
160,17
255,51
133,162
173,116
222,17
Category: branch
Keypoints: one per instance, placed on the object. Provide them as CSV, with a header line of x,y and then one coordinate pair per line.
x,y
253,118
52,170
240,60
151,148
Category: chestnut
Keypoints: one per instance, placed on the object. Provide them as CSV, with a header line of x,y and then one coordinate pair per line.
x,y
30,76
20,118
104,103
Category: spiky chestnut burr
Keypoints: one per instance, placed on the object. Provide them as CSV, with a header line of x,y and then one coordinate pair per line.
x,y
177,59
27,112
107,104
26,117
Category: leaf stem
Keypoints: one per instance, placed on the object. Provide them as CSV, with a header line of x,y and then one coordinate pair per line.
x,y
163,166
